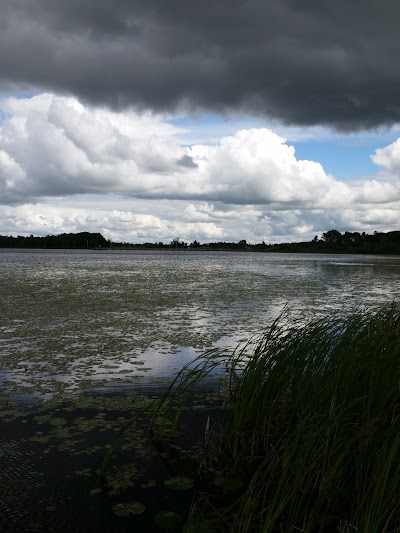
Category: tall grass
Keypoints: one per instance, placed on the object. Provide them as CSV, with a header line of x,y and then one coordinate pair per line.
x,y
311,424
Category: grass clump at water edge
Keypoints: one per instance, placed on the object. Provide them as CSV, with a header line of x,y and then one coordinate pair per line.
x,y
311,429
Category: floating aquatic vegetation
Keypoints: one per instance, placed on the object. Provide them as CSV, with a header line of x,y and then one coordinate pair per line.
x,y
179,483
127,508
68,331
122,477
58,422
86,472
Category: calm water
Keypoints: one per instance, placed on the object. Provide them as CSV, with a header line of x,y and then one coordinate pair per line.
x,y
69,320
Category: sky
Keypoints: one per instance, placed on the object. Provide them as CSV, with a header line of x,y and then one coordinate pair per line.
x,y
148,120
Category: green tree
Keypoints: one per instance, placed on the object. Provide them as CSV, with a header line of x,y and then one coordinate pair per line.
x,y
332,236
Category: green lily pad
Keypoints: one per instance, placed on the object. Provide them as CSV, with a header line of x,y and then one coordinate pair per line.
x,y
229,483
126,508
168,520
179,483
95,491
85,472
135,507
57,421
120,509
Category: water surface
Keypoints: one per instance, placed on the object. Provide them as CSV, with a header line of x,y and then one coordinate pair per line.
x,y
73,319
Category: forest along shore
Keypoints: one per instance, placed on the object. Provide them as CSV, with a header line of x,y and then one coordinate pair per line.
x,y
332,241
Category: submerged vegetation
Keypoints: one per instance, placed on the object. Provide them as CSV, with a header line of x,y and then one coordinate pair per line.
x,y
309,438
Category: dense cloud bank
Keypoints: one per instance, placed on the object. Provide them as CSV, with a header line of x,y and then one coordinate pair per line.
x,y
52,147
65,166
309,62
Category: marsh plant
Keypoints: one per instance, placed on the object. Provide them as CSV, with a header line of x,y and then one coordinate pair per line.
x,y
309,439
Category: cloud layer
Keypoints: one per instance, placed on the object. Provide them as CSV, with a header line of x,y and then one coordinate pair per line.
x,y
52,146
66,166
310,62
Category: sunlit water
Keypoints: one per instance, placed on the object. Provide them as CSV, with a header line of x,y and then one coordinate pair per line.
x,y
73,319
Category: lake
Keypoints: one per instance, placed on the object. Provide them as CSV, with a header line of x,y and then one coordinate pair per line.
x,y
89,341
74,320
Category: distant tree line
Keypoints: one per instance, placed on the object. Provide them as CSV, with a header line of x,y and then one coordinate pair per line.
x,y
332,241
65,240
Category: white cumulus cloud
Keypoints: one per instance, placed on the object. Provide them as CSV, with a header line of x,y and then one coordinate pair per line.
x,y
55,146
65,166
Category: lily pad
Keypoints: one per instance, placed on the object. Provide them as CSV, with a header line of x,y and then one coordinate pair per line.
x,y
126,508
229,483
135,507
85,472
168,520
179,483
120,509
95,491
57,421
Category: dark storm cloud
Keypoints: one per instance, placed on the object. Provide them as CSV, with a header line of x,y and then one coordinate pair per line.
x,y
303,62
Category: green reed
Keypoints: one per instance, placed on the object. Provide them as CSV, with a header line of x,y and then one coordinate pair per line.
x,y
311,425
